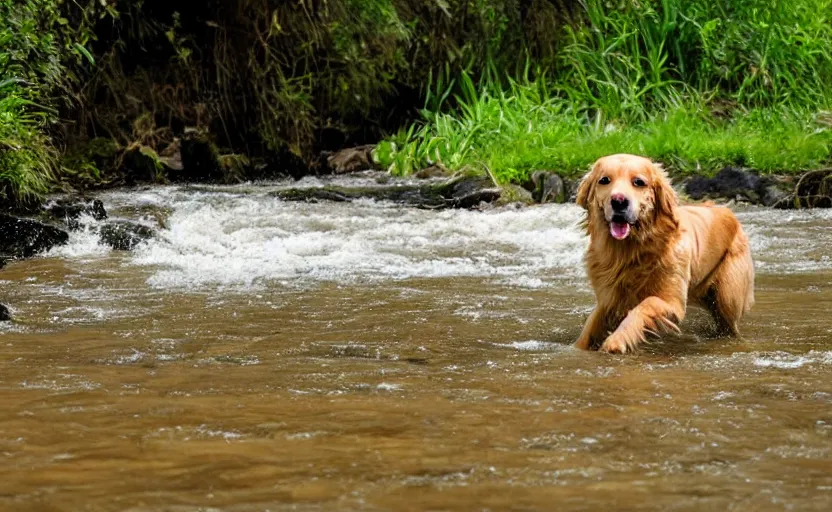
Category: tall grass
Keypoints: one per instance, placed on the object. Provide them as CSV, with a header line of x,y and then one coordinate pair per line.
x,y
513,131
699,85
37,47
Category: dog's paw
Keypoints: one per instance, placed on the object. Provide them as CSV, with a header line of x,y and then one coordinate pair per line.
x,y
583,343
617,345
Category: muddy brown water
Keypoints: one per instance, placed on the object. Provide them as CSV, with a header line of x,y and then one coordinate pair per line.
x,y
261,355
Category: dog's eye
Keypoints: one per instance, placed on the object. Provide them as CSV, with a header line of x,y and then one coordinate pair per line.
x,y
604,181
638,182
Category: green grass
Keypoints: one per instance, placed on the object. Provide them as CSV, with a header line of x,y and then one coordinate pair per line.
x,y
522,128
40,50
26,155
697,85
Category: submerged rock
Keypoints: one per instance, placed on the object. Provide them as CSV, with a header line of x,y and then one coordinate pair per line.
x,y
5,314
22,237
459,192
124,235
69,210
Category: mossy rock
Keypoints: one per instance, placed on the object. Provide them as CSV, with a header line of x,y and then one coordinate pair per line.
x,y
515,194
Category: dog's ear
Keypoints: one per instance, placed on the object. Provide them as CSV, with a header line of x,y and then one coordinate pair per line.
x,y
586,189
666,198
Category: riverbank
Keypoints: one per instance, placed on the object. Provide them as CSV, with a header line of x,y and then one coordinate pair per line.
x,y
101,95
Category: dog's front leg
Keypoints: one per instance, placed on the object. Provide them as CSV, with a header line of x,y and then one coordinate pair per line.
x,y
593,328
651,315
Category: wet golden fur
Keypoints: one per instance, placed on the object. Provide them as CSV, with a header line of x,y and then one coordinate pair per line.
x,y
674,256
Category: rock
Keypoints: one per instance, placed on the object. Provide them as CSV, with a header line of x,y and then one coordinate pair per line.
x,y
69,210
732,183
124,235
546,187
772,195
22,237
729,183
459,192
515,195
5,314
359,158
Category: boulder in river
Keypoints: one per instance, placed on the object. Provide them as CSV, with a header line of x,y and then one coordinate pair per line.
x,y
69,210
22,237
733,183
458,192
5,314
124,235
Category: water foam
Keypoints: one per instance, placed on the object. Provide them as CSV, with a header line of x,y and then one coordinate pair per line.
x,y
246,240
242,237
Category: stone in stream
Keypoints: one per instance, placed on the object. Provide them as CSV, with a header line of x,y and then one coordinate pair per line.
x,y
124,235
22,237
69,210
737,184
459,192
5,314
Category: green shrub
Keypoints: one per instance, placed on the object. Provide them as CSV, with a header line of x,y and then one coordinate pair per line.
x,y
39,48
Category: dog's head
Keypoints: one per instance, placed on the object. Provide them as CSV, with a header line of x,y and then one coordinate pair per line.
x,y
628,193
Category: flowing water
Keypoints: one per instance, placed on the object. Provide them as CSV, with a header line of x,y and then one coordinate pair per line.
x,y
263,355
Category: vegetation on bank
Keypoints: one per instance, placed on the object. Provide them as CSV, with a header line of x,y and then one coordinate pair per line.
x,y
43,56
698,85
512,131
89,88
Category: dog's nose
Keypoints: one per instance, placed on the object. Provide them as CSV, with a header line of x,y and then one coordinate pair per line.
x,y
619,202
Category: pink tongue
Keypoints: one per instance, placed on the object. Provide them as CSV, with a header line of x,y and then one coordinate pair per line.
x,y
619,230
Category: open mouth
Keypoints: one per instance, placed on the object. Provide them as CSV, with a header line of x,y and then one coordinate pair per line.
x,y
619,227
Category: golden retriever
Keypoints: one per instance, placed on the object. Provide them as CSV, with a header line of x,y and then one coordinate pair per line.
x,y
649,257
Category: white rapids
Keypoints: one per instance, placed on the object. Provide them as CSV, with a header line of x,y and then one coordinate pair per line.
x,y
243,237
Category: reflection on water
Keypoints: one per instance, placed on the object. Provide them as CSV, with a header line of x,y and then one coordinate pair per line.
x,y
269,356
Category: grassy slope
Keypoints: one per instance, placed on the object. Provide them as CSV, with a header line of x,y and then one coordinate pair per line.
x,y
697,85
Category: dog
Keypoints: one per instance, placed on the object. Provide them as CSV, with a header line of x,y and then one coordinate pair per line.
x,y
650,257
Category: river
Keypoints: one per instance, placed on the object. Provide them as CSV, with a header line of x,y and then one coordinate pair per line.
x,y
269,355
